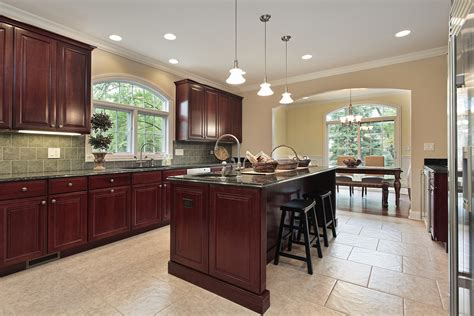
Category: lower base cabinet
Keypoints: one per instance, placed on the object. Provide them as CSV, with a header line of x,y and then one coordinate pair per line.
x,y
22,229
109,212
146,205
67,221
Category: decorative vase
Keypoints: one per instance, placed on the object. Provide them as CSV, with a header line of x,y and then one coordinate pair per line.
x,y
99,161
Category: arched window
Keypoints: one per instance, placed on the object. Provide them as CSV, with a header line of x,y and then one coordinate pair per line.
x,y
376,135
139,114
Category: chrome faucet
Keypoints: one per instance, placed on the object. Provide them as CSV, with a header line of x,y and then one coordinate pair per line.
x,y
140,161
238,165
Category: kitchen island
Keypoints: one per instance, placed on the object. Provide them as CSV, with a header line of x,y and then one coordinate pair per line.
x,y
224,230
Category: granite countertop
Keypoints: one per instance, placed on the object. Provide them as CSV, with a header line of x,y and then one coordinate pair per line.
x,y
254,180
78,173
437,168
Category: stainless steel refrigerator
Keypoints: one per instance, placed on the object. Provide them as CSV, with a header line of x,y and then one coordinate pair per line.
x,y
461,159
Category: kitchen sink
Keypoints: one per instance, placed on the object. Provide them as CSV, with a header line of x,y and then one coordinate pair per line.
x,y
138,167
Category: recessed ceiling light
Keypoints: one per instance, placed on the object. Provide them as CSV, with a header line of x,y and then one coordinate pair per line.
x,y
307,56
116,38
403,33
173,61
169,36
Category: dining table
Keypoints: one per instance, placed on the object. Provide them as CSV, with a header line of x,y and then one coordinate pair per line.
x,y
372,170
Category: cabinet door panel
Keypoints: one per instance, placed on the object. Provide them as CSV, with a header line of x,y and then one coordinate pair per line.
x,y
109,212
234,237
146,205
22,230
166,201
225,115
236,105
35,81
189,226
196,112
211,103
6,75
74,95
67,221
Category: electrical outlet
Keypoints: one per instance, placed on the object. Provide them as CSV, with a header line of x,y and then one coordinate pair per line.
x,y
428,146
179,152
54,153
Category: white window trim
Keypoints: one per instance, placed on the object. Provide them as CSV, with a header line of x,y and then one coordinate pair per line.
x,y
89,157
396,119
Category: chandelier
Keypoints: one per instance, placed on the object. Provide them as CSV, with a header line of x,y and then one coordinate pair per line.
x,y
350,118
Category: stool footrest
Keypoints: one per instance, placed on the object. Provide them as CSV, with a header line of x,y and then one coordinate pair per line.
x,y
289,255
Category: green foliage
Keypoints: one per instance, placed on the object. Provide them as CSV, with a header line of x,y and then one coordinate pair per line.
x,y
379,140
100,123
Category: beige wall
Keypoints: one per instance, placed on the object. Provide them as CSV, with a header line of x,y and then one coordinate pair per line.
x,y
308,119
426,79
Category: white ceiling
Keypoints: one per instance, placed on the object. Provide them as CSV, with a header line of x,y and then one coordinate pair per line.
x,y
343,94
336,32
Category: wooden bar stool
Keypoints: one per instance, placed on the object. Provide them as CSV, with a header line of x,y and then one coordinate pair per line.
x,y
302,208
322,196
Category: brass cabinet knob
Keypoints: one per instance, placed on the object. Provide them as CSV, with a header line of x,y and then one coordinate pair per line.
x,y
53,201
43,202
60,125
69,184
164,185
112,190
160,186
112,180
53,125
24,189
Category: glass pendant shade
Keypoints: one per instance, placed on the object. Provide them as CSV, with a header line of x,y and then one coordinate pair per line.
x,y
236,76
265,89
286,98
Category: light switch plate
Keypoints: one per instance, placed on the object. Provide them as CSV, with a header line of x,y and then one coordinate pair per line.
x,y
54,153
179,152
428,146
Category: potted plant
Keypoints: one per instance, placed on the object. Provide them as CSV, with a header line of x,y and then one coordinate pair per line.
x,y
99,140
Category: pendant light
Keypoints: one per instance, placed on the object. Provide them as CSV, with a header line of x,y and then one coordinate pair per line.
x,y
350,118
265,89
236,74
286,96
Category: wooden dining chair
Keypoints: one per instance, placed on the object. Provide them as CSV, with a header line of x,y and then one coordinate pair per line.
x,y
344,177
373,161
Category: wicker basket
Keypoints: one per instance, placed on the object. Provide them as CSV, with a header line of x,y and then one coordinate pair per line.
x,y
304,163
265,167
287,164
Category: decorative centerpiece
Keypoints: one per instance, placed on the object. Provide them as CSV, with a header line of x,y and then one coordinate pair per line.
x,y
99,140
352,162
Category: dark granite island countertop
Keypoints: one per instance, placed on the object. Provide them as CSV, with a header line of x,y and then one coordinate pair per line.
x,y
254,180
224,230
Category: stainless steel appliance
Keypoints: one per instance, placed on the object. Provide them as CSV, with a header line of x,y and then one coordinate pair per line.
x,y
461,142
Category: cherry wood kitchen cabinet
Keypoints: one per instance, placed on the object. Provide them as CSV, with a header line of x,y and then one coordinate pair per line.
x,y
190,241
50,81
147,190
67,221
204,113
436,194
234,240
166,192
22,229
6,73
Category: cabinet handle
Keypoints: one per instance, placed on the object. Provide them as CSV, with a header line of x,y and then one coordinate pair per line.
x,y
112,180
24,189
112,190
53,201
69,184
164,185
52,125
160,186
43,202
60,125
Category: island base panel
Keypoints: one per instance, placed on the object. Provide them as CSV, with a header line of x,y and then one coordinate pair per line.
x,y
258,303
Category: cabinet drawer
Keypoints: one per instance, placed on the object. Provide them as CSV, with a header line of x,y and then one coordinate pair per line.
x,y
22,189
146,177
67,185
110,180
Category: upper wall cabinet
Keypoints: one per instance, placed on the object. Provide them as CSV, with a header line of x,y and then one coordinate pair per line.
x,y
204,113
50,84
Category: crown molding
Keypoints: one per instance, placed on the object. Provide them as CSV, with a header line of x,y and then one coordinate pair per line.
x,y
438,51
30,18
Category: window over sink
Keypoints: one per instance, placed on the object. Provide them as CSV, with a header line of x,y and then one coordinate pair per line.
x,y
140,117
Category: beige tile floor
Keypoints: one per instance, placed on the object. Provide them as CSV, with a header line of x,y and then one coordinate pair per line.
x,y
376,266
